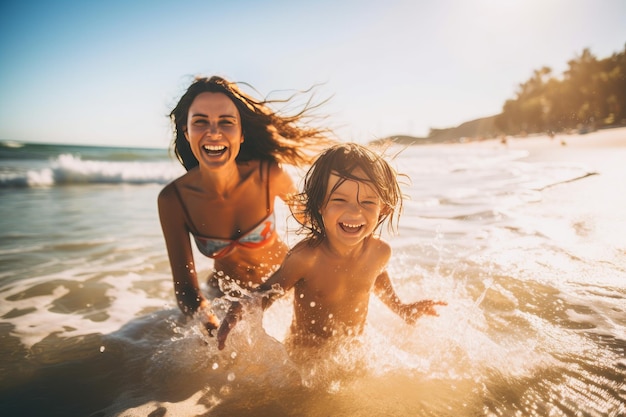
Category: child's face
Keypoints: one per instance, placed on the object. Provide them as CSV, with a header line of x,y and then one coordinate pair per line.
x,y
351,213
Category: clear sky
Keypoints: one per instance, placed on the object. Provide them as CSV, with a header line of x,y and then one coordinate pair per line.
x,y
109,72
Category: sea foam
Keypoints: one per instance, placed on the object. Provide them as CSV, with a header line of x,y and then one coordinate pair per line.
x,y
68,169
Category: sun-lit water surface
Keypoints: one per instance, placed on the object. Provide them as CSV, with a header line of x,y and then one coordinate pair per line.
x,y
532,266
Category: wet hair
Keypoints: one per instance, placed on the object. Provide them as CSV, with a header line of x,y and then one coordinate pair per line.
x,y
269,135
342,160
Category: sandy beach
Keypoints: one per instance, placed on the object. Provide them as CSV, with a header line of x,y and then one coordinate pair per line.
x,y
574,147
601,196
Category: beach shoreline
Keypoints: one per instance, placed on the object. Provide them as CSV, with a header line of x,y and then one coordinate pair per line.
x,y
593,199
560,146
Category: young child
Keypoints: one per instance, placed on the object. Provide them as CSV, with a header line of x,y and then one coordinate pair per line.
x,y
349,192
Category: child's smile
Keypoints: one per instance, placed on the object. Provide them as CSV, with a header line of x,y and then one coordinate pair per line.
x,y
351,211
351,228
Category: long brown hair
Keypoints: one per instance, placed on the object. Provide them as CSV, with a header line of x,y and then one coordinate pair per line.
x,y
341,160
269,135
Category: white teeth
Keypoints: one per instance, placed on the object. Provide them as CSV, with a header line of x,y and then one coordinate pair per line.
x,y
351,227
214,148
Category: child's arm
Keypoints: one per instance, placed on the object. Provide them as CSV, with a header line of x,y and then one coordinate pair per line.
x,y
409,312
235,312
284,278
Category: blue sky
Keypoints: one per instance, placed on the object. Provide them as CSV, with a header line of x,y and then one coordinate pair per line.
x,y
108,73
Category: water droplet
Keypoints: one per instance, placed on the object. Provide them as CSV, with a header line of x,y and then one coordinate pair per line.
x,y
233,355
334,387
231,377
330,316
312,321
215,366
312,304
102,349
301,295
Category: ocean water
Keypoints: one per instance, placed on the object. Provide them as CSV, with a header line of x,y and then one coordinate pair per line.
x,y
530,255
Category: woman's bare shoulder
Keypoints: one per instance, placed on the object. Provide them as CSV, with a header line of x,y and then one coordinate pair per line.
x,y
171,190
170,196
276,168
167,193
281,180
249,167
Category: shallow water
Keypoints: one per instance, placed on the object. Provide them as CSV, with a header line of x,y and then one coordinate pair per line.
x,y
532,265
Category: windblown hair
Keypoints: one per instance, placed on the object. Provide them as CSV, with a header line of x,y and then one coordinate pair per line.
x,y
269,135
342,160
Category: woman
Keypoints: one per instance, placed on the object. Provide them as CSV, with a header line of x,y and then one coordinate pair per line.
x,y
232,147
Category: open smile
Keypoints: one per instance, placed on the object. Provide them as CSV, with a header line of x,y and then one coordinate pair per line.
x,y
351,227
215,150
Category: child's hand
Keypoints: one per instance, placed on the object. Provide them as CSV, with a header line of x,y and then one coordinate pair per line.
x,y
211,323
207,318
230,320
415,310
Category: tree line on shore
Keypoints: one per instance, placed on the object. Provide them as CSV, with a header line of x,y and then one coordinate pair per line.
x,y
590,95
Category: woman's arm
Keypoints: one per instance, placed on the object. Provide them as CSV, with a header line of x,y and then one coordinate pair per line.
x,y
285,188
188,295
282,184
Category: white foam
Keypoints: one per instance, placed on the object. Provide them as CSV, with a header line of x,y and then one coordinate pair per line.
x,y
71,169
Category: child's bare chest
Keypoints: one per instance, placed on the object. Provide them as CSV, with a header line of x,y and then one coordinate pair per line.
x,y
335,282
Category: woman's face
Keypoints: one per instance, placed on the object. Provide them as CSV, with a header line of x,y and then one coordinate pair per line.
x,y
214,129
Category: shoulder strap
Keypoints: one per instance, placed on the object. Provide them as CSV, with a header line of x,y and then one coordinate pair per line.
x,y
190,224
267,204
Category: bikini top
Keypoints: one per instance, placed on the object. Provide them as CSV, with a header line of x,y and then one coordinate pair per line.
x,y
256,237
